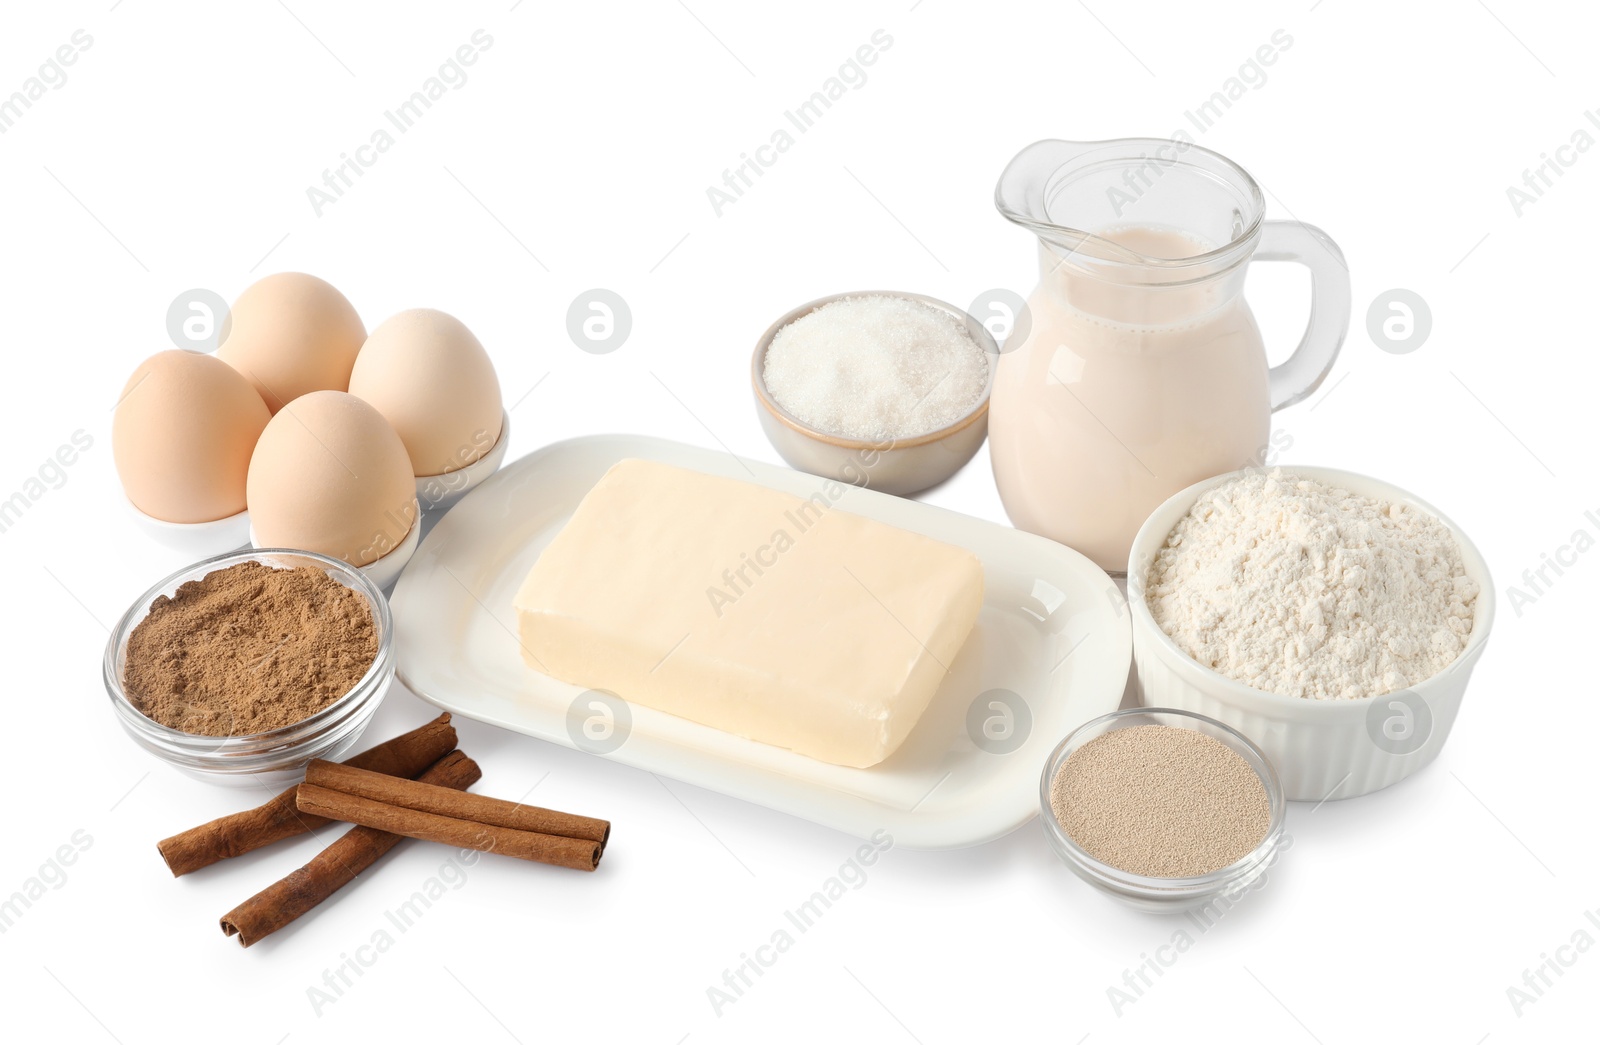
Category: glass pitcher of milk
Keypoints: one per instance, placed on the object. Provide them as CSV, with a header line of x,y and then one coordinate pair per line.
x,y
1141,369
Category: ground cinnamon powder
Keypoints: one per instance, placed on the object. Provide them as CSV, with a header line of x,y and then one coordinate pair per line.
x,y
249,649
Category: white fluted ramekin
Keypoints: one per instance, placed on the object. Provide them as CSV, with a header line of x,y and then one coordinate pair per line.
x,y
1321,749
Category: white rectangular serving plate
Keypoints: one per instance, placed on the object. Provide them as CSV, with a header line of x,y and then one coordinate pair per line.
x,y
1050,651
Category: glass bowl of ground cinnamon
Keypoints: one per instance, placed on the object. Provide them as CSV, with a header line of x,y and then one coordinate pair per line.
x,y
1164,809
245,666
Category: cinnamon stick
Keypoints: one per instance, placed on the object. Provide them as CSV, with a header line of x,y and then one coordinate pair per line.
x,y
335,867
353,780
485,835
239,833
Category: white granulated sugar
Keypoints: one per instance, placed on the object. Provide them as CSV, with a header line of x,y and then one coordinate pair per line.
x,y
876,367
1296,587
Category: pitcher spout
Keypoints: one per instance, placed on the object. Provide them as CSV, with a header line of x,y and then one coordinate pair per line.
x,y
1021,191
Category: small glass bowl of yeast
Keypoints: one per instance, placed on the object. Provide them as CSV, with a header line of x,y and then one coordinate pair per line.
x,y
1217,890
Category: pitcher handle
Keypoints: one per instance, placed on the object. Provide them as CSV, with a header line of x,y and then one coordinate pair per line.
x,y
1298,376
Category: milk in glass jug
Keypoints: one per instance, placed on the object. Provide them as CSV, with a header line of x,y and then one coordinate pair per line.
x,y
1141,369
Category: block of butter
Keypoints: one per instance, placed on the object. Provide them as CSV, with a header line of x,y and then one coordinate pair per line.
x,y
783,620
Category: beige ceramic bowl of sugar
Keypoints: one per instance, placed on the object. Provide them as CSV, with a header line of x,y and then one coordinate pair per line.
x,y
902,465
1322,749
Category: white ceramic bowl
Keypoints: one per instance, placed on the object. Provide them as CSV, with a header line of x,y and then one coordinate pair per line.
x,y
197,540
442,491
1321,748
899,466
384,571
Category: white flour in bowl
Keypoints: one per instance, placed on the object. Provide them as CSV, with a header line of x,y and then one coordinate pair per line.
x,y
1296,587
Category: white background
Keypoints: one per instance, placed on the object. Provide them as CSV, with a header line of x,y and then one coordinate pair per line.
x,y
578,154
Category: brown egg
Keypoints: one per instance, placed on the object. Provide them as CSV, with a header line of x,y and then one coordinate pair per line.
x,y
290,334
430,377
329,475
182,435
